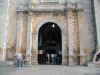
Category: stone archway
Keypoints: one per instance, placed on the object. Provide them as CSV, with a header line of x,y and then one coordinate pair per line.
x,y
49,44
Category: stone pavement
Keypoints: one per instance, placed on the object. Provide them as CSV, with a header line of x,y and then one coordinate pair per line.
x,y
49,70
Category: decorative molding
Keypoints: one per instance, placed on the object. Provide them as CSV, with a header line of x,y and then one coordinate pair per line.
x,y
48,7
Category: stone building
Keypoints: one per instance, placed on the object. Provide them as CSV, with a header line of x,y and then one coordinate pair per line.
x,y
48,31
97,20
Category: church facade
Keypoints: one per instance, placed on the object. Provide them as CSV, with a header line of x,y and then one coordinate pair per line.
x,y
50,32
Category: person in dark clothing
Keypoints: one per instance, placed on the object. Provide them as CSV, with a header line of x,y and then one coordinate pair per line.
x,y
23,60
96,59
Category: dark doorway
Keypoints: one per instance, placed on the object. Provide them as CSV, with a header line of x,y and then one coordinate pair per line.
x,y
49,44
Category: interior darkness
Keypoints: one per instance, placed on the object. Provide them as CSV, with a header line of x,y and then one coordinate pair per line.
x,y
49,44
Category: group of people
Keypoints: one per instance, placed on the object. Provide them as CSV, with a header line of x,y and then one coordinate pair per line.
x,y
20,60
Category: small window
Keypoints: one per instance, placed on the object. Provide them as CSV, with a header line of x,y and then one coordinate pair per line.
x,y
48,1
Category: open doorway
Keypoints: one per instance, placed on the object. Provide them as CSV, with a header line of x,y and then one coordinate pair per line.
x,y
50,44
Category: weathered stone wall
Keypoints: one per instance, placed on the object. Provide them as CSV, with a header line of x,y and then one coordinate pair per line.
x,y
90,27
78,49
11,30
84,4
8,40
84,51
7,28
40,18
3,27
91,37
74,42
21,32
97,13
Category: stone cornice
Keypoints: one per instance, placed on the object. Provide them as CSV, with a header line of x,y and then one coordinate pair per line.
x,y
75,6
53,7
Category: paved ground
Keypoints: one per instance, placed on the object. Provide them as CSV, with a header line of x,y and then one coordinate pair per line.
x,y
49,70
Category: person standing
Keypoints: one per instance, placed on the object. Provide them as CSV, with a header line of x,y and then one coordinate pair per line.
x,y
19,58
23,60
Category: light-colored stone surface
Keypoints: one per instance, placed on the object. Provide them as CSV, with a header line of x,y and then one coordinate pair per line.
x,y
97,14
21,32
11,31
3,26
49,70
38,19
40,14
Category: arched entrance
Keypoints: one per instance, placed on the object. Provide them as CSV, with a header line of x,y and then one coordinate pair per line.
x,y
50,44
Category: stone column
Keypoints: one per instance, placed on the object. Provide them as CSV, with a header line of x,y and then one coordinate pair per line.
x,y
34,40
83,38
65,42
21,32
11,31
29,38
69,16
31,51
76,38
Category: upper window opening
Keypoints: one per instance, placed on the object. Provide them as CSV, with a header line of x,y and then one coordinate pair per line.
x,y
48,1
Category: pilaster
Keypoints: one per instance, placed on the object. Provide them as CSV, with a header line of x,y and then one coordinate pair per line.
x,y
83,38
71,52
21,32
